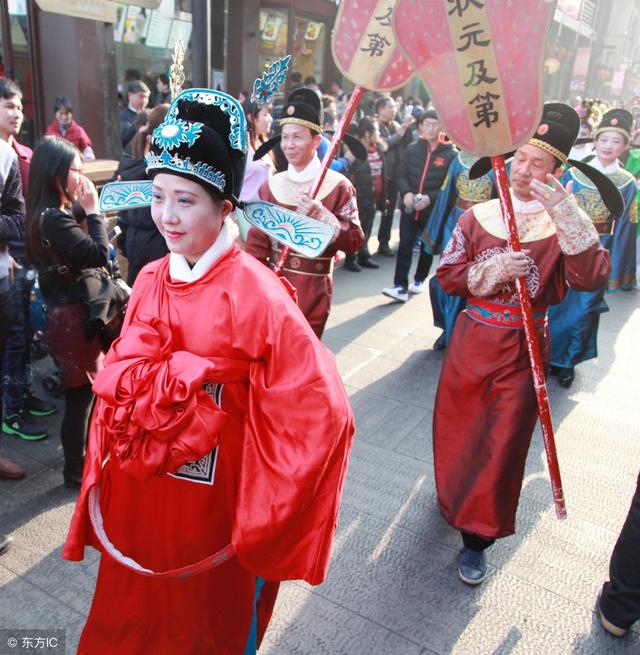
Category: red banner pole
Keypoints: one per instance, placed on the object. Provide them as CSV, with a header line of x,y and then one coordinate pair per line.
x,y
341,130
531,336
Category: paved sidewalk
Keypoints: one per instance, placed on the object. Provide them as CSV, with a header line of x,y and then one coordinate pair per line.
x,y
393,587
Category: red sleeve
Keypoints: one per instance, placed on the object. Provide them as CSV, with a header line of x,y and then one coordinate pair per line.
x,y
296,444
351,237
457,258
83,139
588,270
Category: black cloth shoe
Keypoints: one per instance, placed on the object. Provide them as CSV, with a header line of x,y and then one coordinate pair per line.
x,y
385,251
37,407
23,426
368,263
5,542
440,343
352,265
566,376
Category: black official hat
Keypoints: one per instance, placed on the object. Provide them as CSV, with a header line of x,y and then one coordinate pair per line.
x,y
203,137
304,107
616,120
559,127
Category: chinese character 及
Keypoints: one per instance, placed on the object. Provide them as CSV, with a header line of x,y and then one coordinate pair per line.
x,y
377,44
472,37
461,6
479,74
485,109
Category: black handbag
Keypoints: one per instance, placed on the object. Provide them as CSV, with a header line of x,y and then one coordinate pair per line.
x,y
104,297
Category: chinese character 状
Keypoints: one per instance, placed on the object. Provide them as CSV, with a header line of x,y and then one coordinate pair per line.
x,y
385,21
377,44
479,73
471,35
485,109
461,6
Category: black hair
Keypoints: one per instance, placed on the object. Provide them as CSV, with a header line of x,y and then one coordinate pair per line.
x,y
62,103
296,77
135,86
8,89
154,117
428,113
48,171
310,79
365,126
164,78
381,103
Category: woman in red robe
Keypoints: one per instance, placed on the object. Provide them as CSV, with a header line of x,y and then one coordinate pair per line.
x,y
221,434
485,410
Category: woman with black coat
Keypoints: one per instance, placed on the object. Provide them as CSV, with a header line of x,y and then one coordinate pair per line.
x,y
140,241
62,242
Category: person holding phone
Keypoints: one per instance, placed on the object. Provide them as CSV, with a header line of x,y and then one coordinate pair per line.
x,y
66,235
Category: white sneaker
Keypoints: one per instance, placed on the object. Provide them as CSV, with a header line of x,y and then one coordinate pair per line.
x,y
417,287
397,293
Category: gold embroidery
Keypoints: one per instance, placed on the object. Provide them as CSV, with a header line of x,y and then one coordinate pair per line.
x,y
620,178
531,227
486,278
590,202
576,232
473,190
287,192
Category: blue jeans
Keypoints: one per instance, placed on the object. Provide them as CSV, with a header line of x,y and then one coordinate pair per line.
x,y
16,359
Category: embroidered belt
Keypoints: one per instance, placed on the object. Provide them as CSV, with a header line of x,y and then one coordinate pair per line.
x,y
604,227
503,316
298,264
463,204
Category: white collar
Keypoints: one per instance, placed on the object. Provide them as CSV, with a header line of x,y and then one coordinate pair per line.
x,y
528,207
607,170
179,268
307,174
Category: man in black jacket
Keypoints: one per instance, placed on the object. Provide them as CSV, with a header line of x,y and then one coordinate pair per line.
x,y
137,100
422,172
396,137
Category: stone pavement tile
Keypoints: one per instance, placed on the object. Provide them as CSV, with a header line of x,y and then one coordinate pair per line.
x,y
24,605
425,601
20,456
47,452
412,382
304,623
350,357
383,421
413,344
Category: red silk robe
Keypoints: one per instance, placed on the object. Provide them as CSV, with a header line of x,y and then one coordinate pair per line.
x,y
313,290
485,410
250,467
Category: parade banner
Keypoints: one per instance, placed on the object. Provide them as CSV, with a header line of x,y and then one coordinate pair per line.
x,y
483,63
364,45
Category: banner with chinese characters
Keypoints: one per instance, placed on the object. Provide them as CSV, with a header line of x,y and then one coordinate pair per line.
x,y
482,62
364,46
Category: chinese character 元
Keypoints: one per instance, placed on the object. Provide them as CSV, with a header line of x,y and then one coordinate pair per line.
x,y
479,73
385,21
485,109
377,44
472,37
461,6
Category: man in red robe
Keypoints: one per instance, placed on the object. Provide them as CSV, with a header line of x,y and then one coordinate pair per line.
x,y
334,205
485,409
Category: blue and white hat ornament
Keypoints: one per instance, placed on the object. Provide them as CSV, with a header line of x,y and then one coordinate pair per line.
x,y
265,87
203,137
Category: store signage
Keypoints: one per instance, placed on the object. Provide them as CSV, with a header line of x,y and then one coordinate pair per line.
x,y
147,4
99,10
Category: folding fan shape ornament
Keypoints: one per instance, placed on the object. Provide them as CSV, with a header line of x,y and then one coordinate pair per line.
x,y
482,62
275,75
364,46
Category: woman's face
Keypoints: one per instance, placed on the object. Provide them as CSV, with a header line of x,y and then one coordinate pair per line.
x,y
186,215
609,146
64,116
263,121
73,178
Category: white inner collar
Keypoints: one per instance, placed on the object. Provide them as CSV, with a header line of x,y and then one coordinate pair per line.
x,y
528,207
607,170
307,174
179,268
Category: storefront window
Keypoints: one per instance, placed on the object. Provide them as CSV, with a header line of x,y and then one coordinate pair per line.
x,y
144,40
309,47
21,69
274,37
